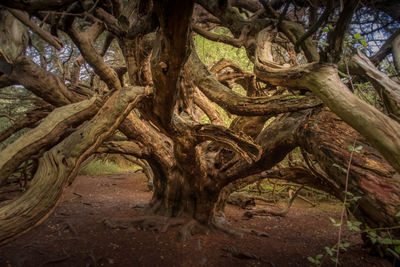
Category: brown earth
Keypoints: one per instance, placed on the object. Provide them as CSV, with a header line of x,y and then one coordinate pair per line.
x,y
76,234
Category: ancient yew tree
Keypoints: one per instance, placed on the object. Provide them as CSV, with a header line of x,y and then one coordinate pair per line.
x,y
124,77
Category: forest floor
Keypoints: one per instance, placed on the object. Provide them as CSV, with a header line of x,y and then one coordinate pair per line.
x,y
77,234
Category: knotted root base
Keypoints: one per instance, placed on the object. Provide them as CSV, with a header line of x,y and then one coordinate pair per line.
x,y
190,227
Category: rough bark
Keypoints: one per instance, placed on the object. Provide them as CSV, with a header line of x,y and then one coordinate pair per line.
x,y
207,107
42,83
396,53
327,137
238,104
45,135
24,18
324,81
169,55
388,90
178,196
385,49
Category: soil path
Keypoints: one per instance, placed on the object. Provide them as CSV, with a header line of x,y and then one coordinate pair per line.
x,y
76,234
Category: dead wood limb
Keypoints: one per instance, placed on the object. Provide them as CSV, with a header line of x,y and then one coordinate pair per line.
x,y
281,213
245,200
306,200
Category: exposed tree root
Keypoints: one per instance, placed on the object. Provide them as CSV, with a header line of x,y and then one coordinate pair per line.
x,y
190,227
152,223
234,252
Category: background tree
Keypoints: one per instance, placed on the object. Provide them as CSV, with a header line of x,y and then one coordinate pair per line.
x,y
125,77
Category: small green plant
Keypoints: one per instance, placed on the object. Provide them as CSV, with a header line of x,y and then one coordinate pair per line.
x,y
392,245
355,40
316,260
333,252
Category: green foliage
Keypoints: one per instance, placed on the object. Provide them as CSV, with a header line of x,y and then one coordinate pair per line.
x,y
354,225
211,52
15,102
366,92
356,41
328,28
339,167
316,260
98,167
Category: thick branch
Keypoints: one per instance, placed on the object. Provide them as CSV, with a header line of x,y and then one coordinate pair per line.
x,y
240,143
396,53
370,177
388,90
207,107
24,18
220,38
131,148
294,32
159,146
45,135
169,54
324,81
105,72
110,21
276,141
238,104
42,83
385,49
61,164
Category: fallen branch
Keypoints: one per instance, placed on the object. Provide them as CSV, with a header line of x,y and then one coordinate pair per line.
x,y
281,213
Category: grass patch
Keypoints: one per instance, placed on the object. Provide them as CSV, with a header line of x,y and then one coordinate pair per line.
x,y
99,167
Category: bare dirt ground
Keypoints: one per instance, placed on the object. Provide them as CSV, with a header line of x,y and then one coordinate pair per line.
x,y
76,234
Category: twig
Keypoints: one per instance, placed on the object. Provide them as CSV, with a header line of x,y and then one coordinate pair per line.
x,y
344,204
316,26
79,195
